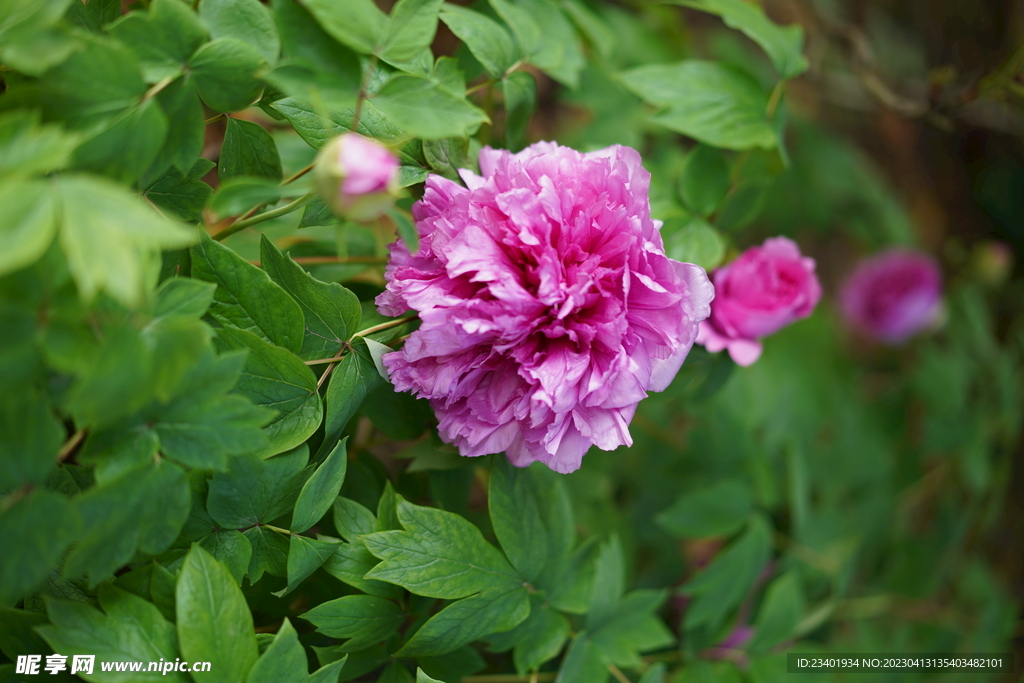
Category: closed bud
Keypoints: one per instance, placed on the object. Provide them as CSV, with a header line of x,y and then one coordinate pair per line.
x,y
357,177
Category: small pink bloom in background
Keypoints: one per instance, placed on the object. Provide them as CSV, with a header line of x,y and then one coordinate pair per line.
x,y
548,306
357,177
762,291
892,295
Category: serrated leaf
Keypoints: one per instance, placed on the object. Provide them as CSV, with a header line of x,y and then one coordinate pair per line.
x,y
225,72
41,526
246,298
246,20
275,378
214,621
424,109
255,491
364,619
248,150
141,511
320,490
182,194
711,102
129,629
783,44
488,40
331,312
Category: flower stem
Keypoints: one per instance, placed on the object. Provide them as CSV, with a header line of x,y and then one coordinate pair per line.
x,y
617,673
70,445
384,326
265,216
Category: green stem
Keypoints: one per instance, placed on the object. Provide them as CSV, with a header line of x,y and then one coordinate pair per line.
x,y
265,216
157,87
279,530
775,98
384,326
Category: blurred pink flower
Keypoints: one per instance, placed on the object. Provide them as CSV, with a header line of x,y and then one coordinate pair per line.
x,y
357,177
548,306
762,291
892,295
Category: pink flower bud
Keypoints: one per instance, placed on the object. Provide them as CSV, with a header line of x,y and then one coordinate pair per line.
x,y
765,289
357,177
893,295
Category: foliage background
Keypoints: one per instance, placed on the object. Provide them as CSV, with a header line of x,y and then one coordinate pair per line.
x,y
836,496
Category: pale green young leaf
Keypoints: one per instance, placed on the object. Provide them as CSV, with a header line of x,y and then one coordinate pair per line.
x,y
246,298
276,378
28,148
214,621
321,489
364,619
31,40
129,629
716,510
248,150
488,40
331,311
42,525
246,20
783,44
27,223
358,24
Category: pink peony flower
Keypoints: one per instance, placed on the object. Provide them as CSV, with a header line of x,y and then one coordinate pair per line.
x,y
762,291
548,306
357,177
892,295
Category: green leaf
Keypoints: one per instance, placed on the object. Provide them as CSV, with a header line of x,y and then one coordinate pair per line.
x,y
182,194
163,39
357,23
186,129
537,640
743,204
463,621
32,437
94,14
447,156
352,519
40,526
410,30
704,181
275,378
238,195
129,629
350,563
246,298
424,678
609,583
269,553
395,673
783,44
317,213
31,41
721,585
225,72
596,29
439,555
125,149
515,516
364,619
520,92
781,611
112,239
633,628
27,148
717,510
248,151
696,242
27,223
331,312
354,377
557,53
183,296
317,129
142,510
284,660
305,556
655,674
255,491
424,109
488,40
712,102
230,548
583,663
214,621
320,490
528,34
249,21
